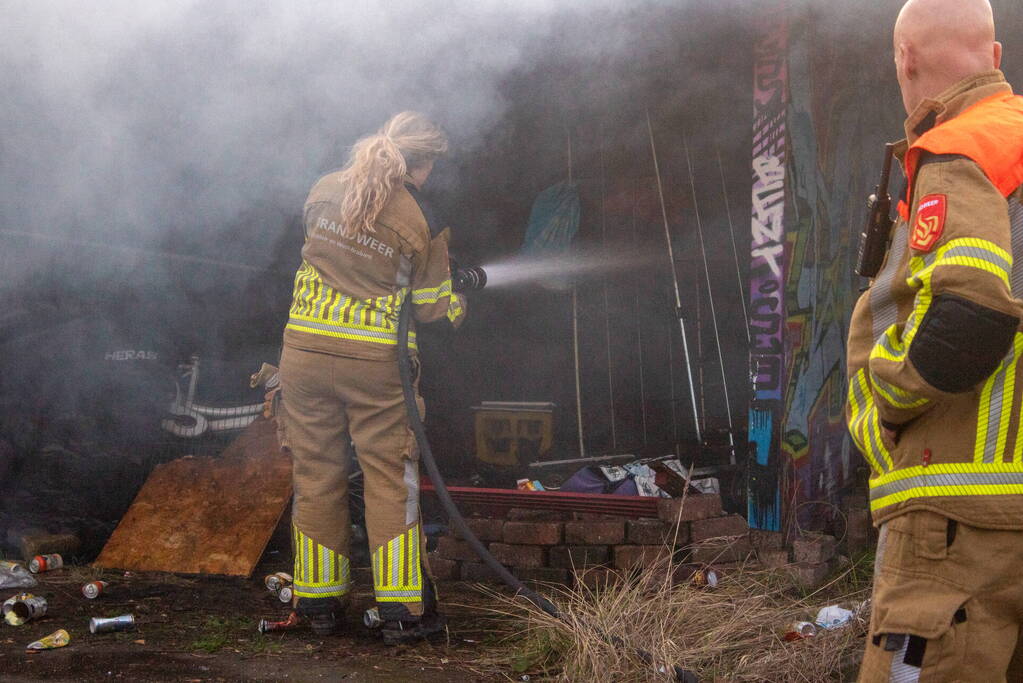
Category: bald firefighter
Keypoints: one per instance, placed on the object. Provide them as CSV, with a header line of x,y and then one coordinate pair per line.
x,y
934,365
370,248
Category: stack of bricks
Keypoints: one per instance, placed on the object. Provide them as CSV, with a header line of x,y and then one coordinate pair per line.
x,y
810,559
552,547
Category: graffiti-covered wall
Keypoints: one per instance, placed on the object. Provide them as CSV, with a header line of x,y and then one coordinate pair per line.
x,y
843,106
768,267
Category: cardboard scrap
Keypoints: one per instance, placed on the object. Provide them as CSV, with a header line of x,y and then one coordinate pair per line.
x,y
206,515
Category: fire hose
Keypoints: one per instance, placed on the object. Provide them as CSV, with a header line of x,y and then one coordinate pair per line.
x,y
468,279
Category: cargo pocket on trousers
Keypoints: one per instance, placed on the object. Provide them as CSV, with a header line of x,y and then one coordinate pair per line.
x,y
917,626
932,535
894,655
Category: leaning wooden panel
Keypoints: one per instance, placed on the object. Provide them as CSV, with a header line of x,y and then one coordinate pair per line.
x,y
206,515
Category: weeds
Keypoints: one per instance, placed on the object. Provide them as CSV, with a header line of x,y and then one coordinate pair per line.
x,y
264,646
734,631
219,632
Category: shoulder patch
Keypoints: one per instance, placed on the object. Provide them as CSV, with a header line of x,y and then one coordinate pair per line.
x,y
930,222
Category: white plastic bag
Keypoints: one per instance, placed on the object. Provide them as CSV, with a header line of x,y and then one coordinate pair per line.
x,y
14,575
833,616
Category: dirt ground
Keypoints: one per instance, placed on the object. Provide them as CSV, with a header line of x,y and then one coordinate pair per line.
x,y
196,629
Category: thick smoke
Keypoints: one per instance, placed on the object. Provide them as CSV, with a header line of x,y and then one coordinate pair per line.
x,y
155,124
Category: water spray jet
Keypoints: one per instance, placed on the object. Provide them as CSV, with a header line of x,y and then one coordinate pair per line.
x,y
558,271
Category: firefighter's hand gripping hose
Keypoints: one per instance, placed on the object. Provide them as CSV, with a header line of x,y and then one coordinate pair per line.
x,y
456,519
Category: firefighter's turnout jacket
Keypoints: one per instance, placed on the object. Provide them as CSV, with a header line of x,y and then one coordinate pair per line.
x,y
351,284
935,342
340,385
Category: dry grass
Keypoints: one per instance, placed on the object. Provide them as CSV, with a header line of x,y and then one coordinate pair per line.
x,y
733,632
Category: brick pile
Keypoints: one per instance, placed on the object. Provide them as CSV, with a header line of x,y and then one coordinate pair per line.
x,y
552,547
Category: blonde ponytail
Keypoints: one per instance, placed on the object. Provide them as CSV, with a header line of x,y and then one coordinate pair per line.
x,y
379,162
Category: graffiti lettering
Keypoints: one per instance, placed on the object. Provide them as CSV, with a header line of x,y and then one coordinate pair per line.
x,y
768,264
768,269
772,255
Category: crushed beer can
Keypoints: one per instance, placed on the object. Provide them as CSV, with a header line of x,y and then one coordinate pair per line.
x,y
23,607
705,578
94,589
266,626
9,602
45,563
54,640
125,622
371,618
279,583
276,581
799,630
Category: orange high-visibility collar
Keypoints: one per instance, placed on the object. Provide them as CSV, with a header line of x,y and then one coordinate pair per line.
x,y
990,133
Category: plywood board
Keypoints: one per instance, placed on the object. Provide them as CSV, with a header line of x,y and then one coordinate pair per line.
x,y
206,515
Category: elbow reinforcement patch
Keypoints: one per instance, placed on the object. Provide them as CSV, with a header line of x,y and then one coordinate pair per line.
x,y
960,343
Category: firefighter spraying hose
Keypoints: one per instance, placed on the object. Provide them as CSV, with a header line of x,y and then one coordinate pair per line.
x,y
374,260
464,280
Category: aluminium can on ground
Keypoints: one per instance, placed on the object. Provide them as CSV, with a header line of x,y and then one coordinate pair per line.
x,y
9,602
45,563
266,626
705,578
285,594
276,581
24,607
93,589
54,640
125,622
799,630
371,618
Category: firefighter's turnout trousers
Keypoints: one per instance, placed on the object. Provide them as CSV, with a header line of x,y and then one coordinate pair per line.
x,y
947,602
328,400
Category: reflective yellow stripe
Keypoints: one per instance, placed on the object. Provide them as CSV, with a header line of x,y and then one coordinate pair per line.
x,y
316,308
347,331
454,309
397,572
431,295
301,295
924,491
967,251
994,412
876,441
971,252
864,425
943,480
893,345
872,425
319,571
897,396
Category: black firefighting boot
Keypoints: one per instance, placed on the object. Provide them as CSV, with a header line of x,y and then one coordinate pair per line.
x,y
401,627
323,614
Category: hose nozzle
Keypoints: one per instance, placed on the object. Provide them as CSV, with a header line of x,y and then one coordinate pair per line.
x,y
468,279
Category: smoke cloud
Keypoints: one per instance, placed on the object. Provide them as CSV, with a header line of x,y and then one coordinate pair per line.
x,y
159,124
156,155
